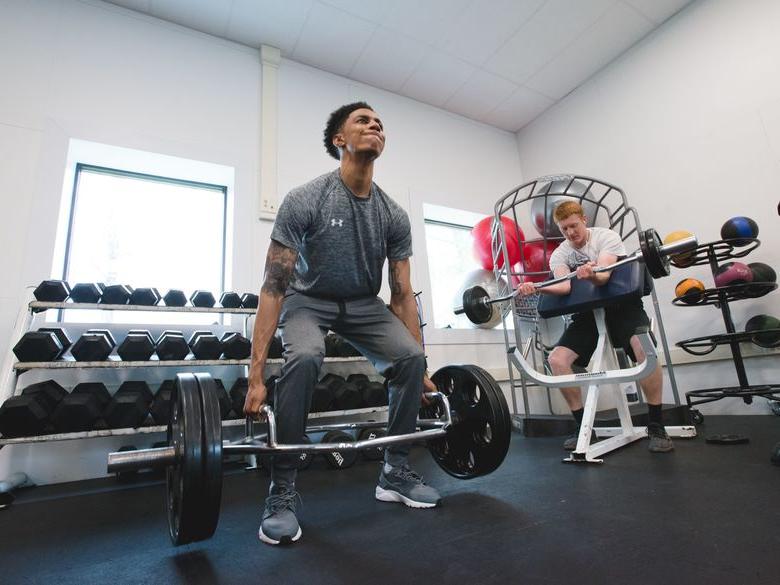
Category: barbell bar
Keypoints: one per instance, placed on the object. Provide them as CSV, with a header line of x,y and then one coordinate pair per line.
x,y
654,254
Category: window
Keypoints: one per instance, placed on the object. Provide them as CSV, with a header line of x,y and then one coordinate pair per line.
x,y
146,231
451,262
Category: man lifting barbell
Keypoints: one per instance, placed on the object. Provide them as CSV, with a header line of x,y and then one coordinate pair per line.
x,y
324,271
582,251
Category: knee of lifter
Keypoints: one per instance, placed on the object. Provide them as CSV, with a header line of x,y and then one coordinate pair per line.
x,y
558,362
305,357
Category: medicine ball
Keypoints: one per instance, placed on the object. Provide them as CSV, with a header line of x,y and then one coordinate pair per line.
x,y
482,241
761,323
762,273
732,273
740,230
689,290
550,195
686,258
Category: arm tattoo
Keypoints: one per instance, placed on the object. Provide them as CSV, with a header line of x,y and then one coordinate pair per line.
x,y
395,279
279,265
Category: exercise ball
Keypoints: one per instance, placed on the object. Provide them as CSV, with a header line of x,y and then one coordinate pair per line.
x,y
689,290
762,273
543,206
487,280
482,241
740,230
732,273
537,259
686,258
761,323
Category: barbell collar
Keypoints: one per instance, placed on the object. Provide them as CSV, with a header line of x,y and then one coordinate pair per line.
x,y
141,459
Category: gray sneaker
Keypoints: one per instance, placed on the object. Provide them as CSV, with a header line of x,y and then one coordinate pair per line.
x,y
279,524
570,444
401,484
659,439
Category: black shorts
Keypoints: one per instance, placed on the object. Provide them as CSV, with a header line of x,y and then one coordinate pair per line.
x,y
622,322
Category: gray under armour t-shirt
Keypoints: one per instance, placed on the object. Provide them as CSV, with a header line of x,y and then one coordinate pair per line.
x,y
342,240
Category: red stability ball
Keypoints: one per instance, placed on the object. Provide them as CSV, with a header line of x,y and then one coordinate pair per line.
x,y
482,238
732,273
537,259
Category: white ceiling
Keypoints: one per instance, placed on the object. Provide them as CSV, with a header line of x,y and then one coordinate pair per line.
x,y
502,62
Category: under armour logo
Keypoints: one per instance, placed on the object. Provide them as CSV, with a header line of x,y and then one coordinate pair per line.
x,y
336,222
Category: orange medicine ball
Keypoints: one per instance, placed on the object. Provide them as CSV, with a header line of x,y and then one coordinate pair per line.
x,y
681,260
689,290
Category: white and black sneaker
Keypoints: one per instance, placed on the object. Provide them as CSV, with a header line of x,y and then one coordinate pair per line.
x,y
279,524
401,484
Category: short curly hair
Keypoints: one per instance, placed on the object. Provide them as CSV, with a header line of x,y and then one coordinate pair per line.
x,y
336,121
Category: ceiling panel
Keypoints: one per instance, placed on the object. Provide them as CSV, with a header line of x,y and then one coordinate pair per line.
x,y
428,21
209,16
519,109
332,40
547,33
268,22
484,27
611,35
657,10
438,77
137,5
388,60
374,10
482,93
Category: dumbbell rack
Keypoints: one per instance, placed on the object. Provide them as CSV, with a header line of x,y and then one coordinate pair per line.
x,y
712,253
12,369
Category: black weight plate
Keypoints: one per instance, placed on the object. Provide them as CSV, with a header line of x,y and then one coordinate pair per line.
x,y
211,494
650,245
727,439
478,440
474,307
185,478
372,453
337,458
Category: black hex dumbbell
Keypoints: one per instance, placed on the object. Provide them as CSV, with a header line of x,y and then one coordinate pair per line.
x,y
137,346
275,350
238,396
38,346
249,301
346,396
95,345
127,409
136,387
230,300
161,405
331,345
61,334
202,298
345,349
52,291
171,345
116,294
175,298
145,296
49,391
86,292
225,403
23,416
322,395
76,412
96,389
374,394
235,346
205,345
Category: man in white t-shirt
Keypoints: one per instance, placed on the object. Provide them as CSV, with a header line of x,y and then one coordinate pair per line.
x,y
583,250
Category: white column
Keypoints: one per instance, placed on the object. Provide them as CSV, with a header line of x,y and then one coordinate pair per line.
x,y
270,58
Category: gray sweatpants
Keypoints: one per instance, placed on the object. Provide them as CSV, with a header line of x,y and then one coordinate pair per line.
x,y
378,334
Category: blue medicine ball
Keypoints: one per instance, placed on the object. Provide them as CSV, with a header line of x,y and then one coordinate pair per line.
x,y
741,230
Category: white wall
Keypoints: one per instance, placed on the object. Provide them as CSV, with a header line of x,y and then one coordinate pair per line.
x,y
688,124
88,70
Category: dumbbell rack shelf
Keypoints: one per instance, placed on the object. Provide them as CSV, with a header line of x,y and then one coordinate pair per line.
x,y
14,368
114,362
163,428
712,253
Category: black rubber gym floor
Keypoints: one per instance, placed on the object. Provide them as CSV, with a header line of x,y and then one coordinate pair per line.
x,y
703,514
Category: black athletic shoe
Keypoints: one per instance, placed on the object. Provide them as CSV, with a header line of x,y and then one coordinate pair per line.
x,y
570,444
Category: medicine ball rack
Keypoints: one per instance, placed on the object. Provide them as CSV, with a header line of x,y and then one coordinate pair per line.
x,y
711,254
13,369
